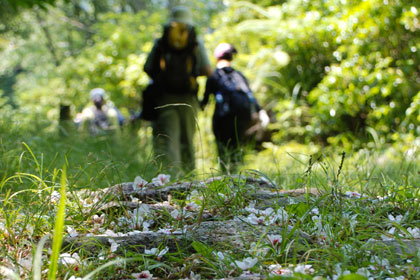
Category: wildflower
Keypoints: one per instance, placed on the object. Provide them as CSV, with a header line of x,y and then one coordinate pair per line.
x,y
69,259
176,214
139,183
304,269
98,222
275,239
75,278
156,252
165,231
146,225
364,272
390,232
194,276
254,220
398,219
280,216
415,232
142,275
72,232
276,269
98,219
353,194
192,206
114,245
55,197
134,199
161,179
220,256
315,211
246,263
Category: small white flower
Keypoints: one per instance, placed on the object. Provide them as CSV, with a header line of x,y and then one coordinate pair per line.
x,y
254,220
280,216
364,272
176,214
276,269
72,232
353,194
139,182
165,230
304,269
194,276
69,259
415,232
398,219
75,278
161,179
275,239
156,252
192,206
55,197
99,220
152,251
220,256
246,263
315,211
114,245
390,232
142,275
163,252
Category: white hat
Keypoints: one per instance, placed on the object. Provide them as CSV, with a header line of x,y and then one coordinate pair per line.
x,y
96,93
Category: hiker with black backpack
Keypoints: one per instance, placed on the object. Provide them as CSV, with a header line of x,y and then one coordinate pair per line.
x,y
236,108
170,100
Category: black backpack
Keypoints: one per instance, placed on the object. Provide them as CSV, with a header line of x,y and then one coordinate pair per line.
x,y
177,73
234,97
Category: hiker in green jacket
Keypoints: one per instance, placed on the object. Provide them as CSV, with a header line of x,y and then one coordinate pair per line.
x,y
173,64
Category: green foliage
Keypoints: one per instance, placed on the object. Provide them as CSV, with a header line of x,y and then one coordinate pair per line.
x,y
346,71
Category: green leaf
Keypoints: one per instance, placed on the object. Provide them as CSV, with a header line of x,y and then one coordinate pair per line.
x,y
352,276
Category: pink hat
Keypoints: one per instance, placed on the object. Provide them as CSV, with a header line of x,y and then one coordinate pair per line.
x,y
224,50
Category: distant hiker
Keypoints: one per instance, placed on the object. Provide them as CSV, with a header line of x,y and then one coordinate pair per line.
x,y
175,61
101,117
236,107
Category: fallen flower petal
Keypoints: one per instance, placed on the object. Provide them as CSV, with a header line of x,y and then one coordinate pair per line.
x,y
246,263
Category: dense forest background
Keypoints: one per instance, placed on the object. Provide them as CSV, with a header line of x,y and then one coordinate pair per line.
x,y
343,73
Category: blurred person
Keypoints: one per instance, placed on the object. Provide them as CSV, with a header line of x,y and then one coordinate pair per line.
x,y
236,112
174,63
101,117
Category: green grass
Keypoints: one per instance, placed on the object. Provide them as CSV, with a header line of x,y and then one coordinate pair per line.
x,y
31,174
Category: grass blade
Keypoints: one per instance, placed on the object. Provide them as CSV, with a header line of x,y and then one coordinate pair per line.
x,y
58,229
38,258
